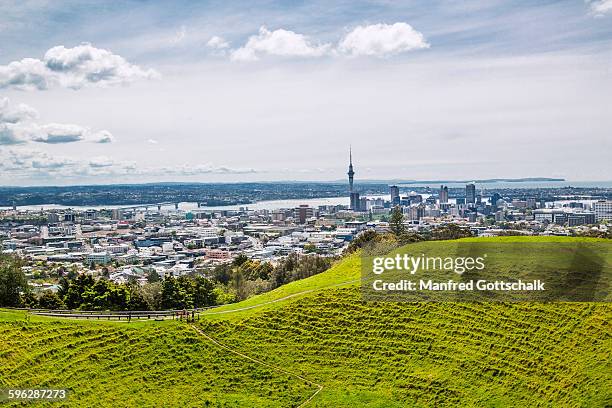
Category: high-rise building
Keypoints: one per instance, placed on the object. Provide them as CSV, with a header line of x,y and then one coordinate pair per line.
x,y
470,193
395,197
355,202
304,212
443,194
531,203
495,197
603,210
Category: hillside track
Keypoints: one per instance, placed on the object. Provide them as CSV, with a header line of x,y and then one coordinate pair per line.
x,y
305,292
257,361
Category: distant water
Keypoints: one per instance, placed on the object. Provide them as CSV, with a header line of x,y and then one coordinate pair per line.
x,y
315,202
189,206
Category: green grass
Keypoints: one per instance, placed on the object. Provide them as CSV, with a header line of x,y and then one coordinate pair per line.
x,y
375,354
142,364
474,354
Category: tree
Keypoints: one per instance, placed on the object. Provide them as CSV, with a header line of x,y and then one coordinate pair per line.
x,y
368,237
170,296
13,281
396,222
310,248
240,259
137,300
152,295
28,300
203,294
450,231
153,276
50,300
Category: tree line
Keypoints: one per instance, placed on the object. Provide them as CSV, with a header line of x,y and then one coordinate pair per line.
x,y
225,283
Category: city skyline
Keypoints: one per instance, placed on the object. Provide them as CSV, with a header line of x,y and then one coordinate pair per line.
x,y
275,92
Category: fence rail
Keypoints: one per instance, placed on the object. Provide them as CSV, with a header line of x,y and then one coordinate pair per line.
x,y
175,314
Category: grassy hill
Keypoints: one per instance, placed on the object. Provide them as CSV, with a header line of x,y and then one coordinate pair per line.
x,y
279,348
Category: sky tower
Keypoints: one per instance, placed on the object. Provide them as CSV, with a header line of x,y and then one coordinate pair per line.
x,y
350,173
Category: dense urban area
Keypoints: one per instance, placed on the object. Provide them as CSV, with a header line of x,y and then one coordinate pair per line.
x,y
177,254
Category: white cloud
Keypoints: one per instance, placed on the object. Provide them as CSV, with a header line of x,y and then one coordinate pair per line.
x,y
601,7
23,163
17,162
9,135
152,141
55,133
217,43
382,40
180,35
18,126
19,113
103,136
101,161
279,43
72,68
193,170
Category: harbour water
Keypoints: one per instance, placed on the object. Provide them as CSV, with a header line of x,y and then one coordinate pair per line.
x,y
315,202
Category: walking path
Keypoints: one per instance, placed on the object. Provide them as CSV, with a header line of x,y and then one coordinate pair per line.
x,y
276,300
238,353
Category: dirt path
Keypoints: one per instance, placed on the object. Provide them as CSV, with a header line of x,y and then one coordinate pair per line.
x,y
238,353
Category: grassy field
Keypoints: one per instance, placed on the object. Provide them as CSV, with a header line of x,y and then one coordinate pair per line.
x,y
375,354
136,364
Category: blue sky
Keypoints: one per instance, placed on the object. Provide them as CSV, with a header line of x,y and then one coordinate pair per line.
x,y
230,91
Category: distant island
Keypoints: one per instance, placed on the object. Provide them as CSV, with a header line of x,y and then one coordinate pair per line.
x,y
493,180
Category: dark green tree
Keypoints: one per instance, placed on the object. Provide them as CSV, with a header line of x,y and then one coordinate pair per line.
x,y
203,294
137,300
396,222
450,231
50,300
13,281
153,276
28,300
240,259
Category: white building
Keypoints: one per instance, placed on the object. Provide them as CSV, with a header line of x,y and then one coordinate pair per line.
x,y
102,258
603,210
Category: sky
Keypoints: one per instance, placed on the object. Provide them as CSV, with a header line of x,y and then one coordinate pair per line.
x,y
226,91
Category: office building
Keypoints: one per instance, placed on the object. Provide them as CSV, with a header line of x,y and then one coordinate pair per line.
x,y
443,194
603,210
470,193
395,196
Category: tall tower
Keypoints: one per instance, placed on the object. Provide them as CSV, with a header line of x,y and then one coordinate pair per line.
x,y
350,173
354,197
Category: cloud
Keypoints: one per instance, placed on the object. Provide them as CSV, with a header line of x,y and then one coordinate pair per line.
x,y
217,43
103,136
8,135
101,161
55,133
17,162
192,170
19,113
18,126
601,7
72,68
152,141
180,35
23,163
279,42
381,40
378,40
